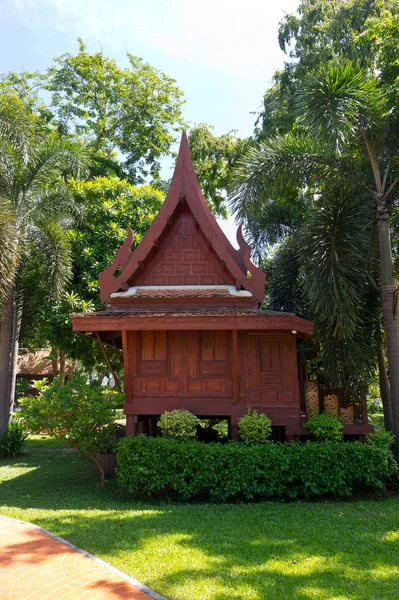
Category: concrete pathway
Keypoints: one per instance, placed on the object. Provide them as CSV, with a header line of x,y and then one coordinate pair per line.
x,y
37,565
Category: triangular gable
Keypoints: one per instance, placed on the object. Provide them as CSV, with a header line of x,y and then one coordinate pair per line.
x,y
183,258
184,190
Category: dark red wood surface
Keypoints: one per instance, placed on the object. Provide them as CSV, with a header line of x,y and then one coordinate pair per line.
x,y
185,196
210,350
196,370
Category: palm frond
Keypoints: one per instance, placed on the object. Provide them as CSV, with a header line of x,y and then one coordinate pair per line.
x,y
336,101
50,202
8,246
267,169
17,125
275,220
50,242
52,159
334,246
286,283
10,170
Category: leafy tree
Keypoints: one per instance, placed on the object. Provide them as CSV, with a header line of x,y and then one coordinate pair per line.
x,y
321,31
109,207
381,36
126,118
133,111
33,186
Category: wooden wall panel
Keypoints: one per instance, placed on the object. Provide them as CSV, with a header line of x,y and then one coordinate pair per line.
x,y
214,353
184,258
193,369
269,378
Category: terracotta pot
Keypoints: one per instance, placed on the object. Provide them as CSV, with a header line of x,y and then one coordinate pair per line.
x,y
348,415
312,398
331,404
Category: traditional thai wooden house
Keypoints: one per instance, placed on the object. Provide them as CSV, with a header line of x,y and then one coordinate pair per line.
x,y
184,309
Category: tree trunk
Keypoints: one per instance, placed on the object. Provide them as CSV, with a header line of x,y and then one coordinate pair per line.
x,y
62,363
389,298
5,356
385,390
54,362
17,321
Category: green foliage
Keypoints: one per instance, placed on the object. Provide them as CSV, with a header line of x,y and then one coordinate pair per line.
x,y
336,101
254,427
109,206
381,439
380,39
178,424
126,117
321,31
164,468
34,196
325,427
54,323
12,441
79,412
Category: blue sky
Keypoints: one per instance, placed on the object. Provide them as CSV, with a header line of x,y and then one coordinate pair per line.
x,y
221,53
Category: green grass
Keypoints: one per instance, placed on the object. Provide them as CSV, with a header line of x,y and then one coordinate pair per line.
x,y
299,551
378,421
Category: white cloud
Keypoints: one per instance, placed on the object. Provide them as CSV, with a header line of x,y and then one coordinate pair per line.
x,y
239,37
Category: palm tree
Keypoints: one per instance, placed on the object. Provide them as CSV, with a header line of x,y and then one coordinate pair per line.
x,y
345,143
34,200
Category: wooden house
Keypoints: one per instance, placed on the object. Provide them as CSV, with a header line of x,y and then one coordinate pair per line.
x,y
184,309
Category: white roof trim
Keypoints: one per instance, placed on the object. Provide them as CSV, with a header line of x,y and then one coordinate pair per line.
x,y
131,292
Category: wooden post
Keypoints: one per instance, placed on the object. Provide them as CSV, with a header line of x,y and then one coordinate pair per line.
x,y
235,367
142,425
131,425
110,367
152,421
233,429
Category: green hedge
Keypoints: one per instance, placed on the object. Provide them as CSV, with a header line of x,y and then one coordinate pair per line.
x,y
165,468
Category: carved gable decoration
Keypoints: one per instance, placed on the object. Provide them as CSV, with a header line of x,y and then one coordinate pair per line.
x,y
184,259
184,254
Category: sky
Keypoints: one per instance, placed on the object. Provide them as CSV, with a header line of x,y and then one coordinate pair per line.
x,y
222,53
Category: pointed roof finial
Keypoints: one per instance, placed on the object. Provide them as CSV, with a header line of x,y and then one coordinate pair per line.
x,y
184,186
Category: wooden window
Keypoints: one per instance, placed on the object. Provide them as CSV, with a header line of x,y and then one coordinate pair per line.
x,y
214,355
153,355
269,356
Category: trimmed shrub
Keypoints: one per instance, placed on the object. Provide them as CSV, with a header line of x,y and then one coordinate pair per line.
x,y
178,424
254,427
381,439
325,427
186,471
12,441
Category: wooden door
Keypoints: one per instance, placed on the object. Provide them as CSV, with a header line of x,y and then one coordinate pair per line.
x,y
270,370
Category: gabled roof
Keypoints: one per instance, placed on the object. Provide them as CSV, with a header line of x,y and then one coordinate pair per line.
x,y
184,188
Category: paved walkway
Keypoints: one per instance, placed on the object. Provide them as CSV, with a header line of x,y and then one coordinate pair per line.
x,y
37,565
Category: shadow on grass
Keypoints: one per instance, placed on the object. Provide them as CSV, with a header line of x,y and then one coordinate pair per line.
x,y
299,551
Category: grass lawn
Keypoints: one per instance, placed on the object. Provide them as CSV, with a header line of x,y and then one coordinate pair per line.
x,y
299,551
